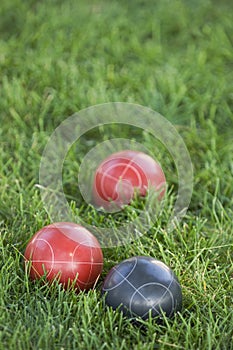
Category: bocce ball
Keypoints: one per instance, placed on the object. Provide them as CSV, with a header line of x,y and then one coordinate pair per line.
x,y
67,252
122,174
140,285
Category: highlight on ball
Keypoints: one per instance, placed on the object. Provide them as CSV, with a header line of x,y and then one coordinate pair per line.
x,y
122,175
141,285
66,252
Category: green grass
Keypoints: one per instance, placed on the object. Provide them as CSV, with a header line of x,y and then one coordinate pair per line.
x,y
58,57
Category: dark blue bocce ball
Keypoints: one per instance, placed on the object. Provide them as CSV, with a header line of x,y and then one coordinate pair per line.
x,y
142,284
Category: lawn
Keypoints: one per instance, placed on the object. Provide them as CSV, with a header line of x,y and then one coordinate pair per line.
x,y
174,57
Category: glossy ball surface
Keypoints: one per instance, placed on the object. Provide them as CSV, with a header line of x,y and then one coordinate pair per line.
x,y
140,284
67,252
122,174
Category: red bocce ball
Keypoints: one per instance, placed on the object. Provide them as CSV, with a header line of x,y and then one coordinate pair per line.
x,y
67,252
121,174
